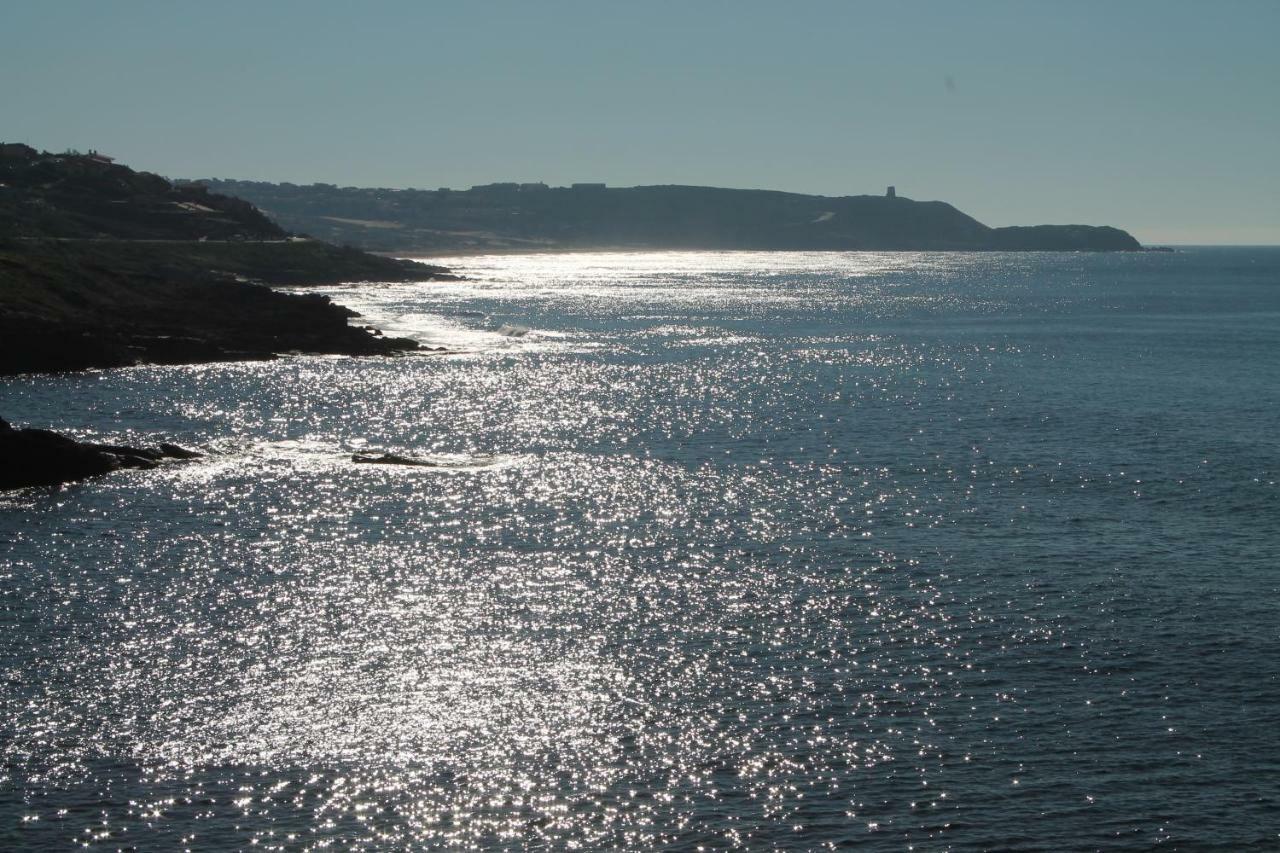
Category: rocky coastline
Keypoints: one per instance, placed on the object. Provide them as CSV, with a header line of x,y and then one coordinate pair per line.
x,y
102,266
70,311
113,317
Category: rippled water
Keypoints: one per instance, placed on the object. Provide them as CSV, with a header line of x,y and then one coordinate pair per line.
x,y
907,551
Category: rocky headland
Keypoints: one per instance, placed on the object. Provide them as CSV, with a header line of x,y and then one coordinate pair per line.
x,y
103,266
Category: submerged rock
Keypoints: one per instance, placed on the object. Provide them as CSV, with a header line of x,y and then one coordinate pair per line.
x,y
41,457
173,451
392,459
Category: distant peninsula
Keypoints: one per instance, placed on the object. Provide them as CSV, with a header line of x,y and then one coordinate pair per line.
x,y
104,266
529,217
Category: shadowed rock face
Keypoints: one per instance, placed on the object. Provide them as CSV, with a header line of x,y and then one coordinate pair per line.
x,y
40,457
108,318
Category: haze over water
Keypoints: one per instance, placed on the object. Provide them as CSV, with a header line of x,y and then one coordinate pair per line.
x,y
931,551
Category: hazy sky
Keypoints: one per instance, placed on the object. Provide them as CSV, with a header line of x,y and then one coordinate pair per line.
x,y
1160,117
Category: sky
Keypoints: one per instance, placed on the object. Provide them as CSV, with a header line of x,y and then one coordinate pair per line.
x,y
1162,118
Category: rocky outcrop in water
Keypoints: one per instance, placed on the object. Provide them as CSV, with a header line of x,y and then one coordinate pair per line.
x,y
392,459
41,457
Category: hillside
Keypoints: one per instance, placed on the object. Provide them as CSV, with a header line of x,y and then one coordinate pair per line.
x,y
535,217
85,196
103,266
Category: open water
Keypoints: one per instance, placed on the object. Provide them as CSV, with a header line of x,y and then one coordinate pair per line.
x,y
800,551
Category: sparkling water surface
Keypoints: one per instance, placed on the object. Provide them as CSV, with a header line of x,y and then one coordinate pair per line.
x,y
733,550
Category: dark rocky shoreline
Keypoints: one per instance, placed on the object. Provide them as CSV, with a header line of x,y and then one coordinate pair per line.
x,y
230,321
103,266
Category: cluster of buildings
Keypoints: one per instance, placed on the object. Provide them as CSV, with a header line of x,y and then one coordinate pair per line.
x,y
19,151
514,187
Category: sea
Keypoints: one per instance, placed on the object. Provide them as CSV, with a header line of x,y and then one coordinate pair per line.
x,y
799,551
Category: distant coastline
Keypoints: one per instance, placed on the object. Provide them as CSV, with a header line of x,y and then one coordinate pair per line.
x,y
532,218
477,252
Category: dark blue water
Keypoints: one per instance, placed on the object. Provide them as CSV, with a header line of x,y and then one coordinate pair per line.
x,y
805,551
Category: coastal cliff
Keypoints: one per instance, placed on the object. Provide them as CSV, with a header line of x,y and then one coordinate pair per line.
x,y
535,217
102,266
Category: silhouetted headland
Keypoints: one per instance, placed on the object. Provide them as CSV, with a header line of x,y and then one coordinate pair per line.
x,y
535,217
102,266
